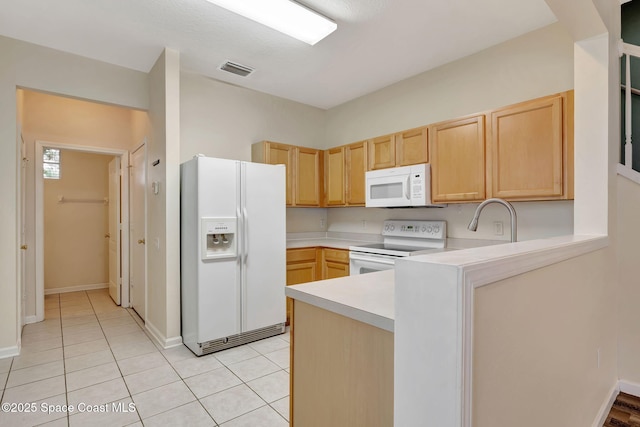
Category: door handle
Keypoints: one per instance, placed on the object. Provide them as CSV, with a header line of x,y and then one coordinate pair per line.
x,y
141,242
23,247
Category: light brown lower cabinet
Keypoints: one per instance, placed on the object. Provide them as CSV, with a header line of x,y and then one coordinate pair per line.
x,y
315,263
335,263
341,371
302,267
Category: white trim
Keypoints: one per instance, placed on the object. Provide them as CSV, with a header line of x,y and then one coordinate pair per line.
x,y
606,406
77,288
476,275
440,315
9,351
620,386
628,173
39,215
629,387
160,338
630,49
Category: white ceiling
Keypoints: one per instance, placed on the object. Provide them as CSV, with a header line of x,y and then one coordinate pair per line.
x,y
377,43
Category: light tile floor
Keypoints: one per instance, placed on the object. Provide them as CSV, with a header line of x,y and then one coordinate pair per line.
x,y
94,355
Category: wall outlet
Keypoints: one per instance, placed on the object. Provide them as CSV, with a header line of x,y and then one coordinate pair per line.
x,y
598,356
498,228
364,224
322,224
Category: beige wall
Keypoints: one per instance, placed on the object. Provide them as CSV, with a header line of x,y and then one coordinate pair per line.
x,y
536,342
533,65
163,220
28,65
76,122
75,249
628,236
222,120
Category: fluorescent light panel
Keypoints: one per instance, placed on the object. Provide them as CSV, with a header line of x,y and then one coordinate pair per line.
x,y
286,16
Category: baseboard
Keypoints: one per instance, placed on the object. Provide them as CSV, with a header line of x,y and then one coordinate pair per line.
x,y
601,417
30,319
160,338
9,351
629,387
76,288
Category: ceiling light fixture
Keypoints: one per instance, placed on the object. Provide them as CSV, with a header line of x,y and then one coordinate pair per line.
x,y
288,17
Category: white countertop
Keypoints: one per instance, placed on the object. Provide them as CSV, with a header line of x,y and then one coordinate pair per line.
x,y
368,298
325,242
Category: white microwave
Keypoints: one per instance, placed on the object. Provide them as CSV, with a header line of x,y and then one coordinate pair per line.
x,y
406,186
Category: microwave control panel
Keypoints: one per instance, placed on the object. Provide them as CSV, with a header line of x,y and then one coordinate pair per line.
x,y
417,229
417,185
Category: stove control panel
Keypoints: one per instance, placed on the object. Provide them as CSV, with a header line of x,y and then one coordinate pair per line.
x,y
415,228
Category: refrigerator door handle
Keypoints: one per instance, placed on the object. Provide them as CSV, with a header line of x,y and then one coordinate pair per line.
x,y
246,233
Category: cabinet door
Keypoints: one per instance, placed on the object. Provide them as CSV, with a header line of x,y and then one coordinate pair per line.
x,y
302,272
274,153
356,165
335,263
382,152
411,147
302,267
458,160
308,176
334,174
332,270
527,150
299,273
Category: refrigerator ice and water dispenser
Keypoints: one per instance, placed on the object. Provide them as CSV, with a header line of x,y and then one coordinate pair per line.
x,y
219,238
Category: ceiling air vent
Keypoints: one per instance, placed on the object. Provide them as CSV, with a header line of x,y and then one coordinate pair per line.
x,y
240,70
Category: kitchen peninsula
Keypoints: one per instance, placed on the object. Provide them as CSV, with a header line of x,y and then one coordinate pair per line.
x,y
361,343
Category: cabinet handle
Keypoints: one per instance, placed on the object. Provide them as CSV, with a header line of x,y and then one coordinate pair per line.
x,y
106,236
23,247
141,242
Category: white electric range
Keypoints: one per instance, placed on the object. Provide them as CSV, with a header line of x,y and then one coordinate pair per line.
x,y
401,238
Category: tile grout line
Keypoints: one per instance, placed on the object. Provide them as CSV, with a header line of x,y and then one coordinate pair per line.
x,y
64,366
94,301
114,357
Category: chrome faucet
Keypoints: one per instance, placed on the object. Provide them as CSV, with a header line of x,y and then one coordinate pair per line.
x,y
473,225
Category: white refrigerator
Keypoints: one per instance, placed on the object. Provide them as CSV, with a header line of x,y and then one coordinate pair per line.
x,y
233,253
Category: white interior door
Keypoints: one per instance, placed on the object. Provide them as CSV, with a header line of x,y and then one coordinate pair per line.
x,y
114,229
23,237
137,236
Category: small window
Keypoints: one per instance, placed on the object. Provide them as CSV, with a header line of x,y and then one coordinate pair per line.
x,y
51,163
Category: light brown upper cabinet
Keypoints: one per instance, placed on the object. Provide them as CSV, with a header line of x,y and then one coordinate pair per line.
x,y
344,169
457,150
356,166
411,147
531,153
404,148
274,153
304,170
382,152
335,175
308,175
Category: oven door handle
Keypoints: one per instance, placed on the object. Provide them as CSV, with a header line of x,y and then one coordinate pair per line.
x,y
380,260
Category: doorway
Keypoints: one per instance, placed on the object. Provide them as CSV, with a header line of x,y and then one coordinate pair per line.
x,y
118,202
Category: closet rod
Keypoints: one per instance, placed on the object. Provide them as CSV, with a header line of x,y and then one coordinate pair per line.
x,y
62,199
